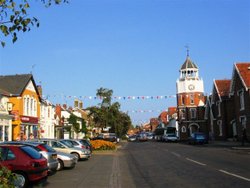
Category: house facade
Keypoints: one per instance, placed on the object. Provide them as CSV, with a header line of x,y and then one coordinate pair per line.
x,y
221,107
5,118
240,94
190,100
26,104
47,119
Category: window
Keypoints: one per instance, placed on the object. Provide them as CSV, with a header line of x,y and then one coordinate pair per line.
x,y
31,107
219,123
193,113
192,99
35,107
183,99
243,121
25,105
182,114
218,103
28,106
242,102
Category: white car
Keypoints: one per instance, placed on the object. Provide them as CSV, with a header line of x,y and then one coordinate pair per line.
x,y
171,137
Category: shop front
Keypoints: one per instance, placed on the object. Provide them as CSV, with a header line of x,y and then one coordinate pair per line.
x,y
29,126
5,127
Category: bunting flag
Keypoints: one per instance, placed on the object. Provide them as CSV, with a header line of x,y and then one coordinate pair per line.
x,y
144,111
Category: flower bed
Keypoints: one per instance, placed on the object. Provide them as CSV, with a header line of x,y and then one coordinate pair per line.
x,y
102,145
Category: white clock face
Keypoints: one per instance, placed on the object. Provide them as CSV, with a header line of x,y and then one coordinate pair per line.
x,y
191,87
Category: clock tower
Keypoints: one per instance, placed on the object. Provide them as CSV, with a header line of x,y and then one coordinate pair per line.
x,y
190,99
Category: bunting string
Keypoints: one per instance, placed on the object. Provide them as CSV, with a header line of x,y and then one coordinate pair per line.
x,y
114,98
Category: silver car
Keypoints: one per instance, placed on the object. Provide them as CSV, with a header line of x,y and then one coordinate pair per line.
x,y
65,160
78,143
63,146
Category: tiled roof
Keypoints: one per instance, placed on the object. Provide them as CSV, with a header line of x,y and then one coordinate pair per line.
x,y
3,92
244,72
14,84
223,87
188,64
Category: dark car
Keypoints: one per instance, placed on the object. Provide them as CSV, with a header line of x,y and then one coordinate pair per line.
x,y
111,137
198,138
24,162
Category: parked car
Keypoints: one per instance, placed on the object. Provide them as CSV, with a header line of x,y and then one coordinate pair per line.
x,y
150,135
48,152
111,137
142,136
132,138
63,146
79,143
24,162
198,138
66,160
87,142
170,137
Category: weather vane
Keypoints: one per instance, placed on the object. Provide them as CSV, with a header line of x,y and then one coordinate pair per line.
x,y
187,47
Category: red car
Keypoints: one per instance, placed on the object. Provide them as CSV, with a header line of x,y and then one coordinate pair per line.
x,y
25,162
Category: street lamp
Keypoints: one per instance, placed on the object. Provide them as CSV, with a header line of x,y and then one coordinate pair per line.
x,y
9,106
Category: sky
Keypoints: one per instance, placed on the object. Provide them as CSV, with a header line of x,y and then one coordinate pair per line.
x,y
134,47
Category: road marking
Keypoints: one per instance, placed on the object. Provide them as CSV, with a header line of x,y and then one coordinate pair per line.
x,y
235,175
202,164
176,154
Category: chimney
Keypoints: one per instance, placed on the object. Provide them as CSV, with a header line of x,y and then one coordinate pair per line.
x,y
80,105
65,106
76,103
40,91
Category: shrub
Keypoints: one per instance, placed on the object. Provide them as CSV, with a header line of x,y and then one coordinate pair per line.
x,y
102,145
6,178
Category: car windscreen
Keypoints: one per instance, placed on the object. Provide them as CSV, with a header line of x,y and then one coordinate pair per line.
x,y
48,148
67,143
31,152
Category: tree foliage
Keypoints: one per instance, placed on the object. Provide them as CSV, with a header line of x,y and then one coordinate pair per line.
x,y
108,114
14,17
77,128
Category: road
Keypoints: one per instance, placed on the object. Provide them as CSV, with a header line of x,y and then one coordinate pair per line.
x,y
156,164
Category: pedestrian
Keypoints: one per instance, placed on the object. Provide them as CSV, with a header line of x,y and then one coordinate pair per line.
x,y
31,136
244,136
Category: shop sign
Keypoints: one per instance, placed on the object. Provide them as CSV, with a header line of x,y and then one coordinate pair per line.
x,y
28,119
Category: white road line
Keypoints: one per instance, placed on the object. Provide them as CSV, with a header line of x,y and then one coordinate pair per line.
x,y
202,164
176,154
235,175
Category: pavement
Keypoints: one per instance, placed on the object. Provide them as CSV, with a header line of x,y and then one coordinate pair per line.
x,y
236,145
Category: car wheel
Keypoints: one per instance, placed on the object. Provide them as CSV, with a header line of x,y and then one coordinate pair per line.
x,y
76,155
20,180
60,165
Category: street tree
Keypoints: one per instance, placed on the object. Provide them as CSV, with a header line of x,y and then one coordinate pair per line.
x,y
14,17
108,114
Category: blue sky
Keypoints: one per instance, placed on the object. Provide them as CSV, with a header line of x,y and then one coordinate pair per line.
x,y
134,47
